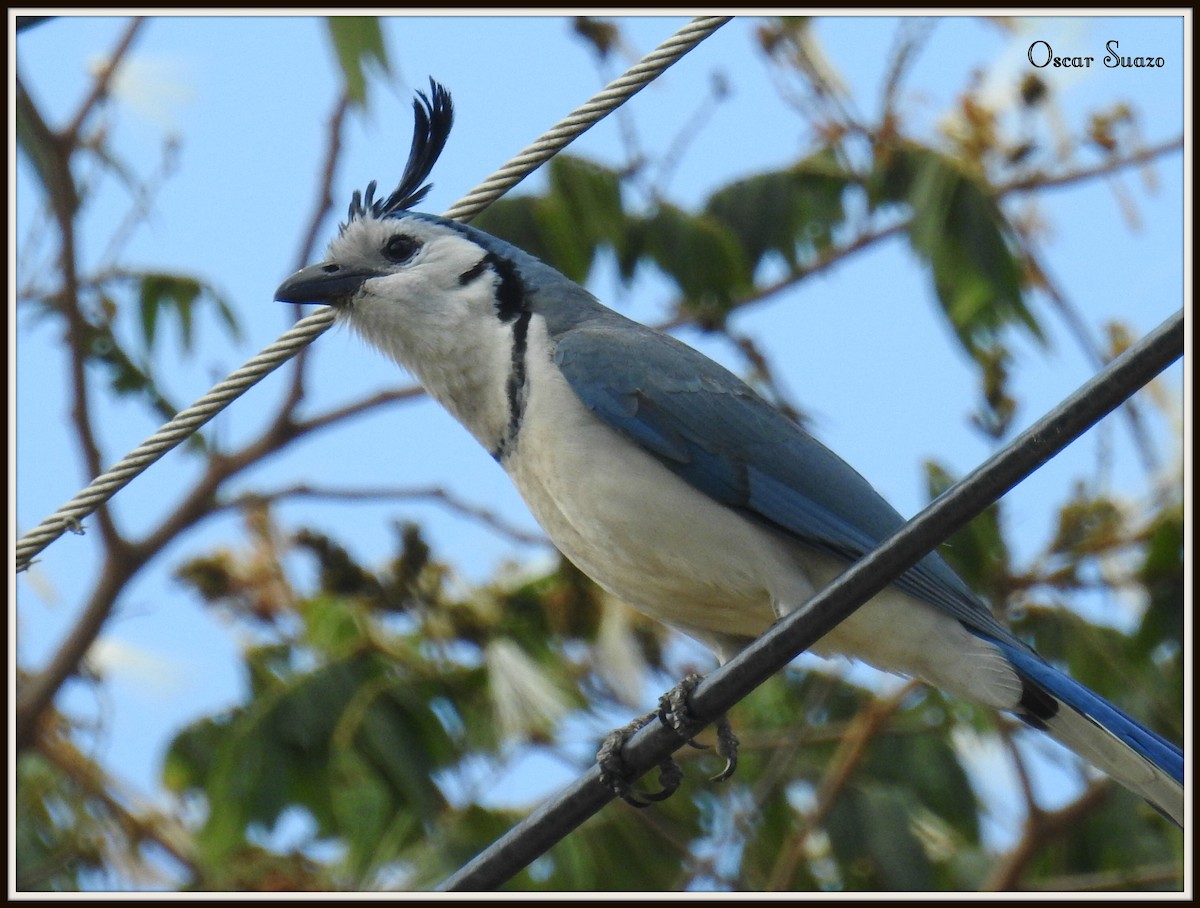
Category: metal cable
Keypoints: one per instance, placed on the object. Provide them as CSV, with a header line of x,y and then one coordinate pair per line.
x,y
107,484
182,425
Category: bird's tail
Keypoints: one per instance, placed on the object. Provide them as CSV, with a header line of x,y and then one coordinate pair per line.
x,y
1144,762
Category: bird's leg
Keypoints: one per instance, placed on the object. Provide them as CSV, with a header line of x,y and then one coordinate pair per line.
x,y
674,712
614,774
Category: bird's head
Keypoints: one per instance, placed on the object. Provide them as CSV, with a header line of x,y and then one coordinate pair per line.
x,y
450,303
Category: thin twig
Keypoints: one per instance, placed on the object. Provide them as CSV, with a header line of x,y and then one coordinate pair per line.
x,y
372,495
103,79
324,204
379,398
145,825
1040,181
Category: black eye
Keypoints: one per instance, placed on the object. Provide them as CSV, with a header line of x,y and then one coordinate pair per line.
x,y
400,249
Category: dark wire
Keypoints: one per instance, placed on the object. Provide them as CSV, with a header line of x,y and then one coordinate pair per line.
x,y
723,688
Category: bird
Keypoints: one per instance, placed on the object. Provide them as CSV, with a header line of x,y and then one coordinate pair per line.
x,y
665,478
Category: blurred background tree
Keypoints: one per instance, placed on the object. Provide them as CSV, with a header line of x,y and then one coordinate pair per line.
x,y
391,705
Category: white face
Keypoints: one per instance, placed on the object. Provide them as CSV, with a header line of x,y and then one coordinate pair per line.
x,y
431,305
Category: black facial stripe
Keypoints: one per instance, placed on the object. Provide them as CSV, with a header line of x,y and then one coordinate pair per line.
x,y
474,271
510,291
510,295
515,389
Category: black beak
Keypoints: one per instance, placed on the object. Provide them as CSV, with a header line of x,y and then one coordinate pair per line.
x,y
324,283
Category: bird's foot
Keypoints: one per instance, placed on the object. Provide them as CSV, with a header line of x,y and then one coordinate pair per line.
x,y
615,775
674,712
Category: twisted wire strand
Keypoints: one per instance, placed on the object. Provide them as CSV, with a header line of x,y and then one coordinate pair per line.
x,y
103,487
182,425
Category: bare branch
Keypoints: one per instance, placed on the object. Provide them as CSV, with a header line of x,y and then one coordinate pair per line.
x,y
37,693
323,205
145,825
825,260
911,34
1049,181
428,493
1041,828
362,406
103,79
333,151
56,151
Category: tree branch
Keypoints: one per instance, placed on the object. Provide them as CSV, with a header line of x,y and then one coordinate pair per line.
x,y
1041,828
99,90
1044,181
95,783
430,493
323,205
54,165
361,406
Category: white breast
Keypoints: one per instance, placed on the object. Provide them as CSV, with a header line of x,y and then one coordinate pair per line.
x,y
655,542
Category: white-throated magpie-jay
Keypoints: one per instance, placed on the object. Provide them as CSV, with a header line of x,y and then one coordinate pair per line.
x,y
666,479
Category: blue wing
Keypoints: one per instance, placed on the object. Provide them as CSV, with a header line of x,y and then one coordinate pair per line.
x,y
711,430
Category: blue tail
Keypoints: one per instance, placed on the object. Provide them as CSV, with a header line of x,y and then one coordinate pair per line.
x,y
1141,760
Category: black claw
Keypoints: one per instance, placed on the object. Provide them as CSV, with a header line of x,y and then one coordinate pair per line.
x,y
673,711
727,746
614,774
670,775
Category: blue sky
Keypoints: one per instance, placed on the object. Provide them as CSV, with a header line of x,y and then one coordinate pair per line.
x,y
860,347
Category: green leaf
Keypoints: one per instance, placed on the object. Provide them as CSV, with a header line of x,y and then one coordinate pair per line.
x,y
591,196
177,294
958,229
580,212
871,833
167,290
514,219
927,766
1162,573
64,834
352,726
358,42
334,625
789,211
128,377
702,256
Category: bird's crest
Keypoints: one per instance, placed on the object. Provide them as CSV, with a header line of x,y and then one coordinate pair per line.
x,y
433,117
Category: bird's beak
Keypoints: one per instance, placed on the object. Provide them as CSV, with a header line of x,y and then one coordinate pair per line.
x,y
323,283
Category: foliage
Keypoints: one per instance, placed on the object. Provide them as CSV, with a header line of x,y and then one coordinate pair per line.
x,y
385,708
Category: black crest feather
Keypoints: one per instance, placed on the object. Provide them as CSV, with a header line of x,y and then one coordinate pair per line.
x,y
433,115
